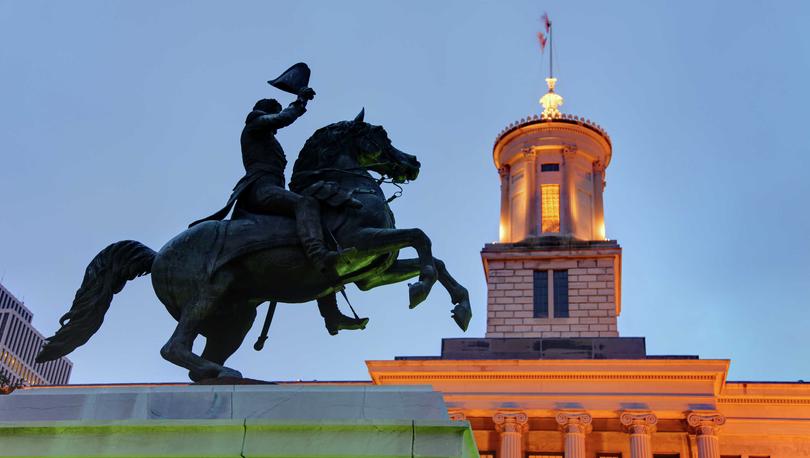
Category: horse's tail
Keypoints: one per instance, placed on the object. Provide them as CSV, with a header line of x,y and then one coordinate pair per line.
x,y
104,277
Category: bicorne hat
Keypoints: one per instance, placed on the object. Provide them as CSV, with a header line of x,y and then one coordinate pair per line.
x,y
293,79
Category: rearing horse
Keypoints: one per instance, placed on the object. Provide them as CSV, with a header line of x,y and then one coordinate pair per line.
x,y
213,276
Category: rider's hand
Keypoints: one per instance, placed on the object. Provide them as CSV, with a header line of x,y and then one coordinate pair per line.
x,y
306,93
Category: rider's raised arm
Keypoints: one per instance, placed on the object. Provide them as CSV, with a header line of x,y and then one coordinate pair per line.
x,y
283,118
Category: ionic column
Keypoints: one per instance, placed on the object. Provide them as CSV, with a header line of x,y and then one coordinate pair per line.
x,y
504,230
567,192
705,425
531,192
639,426
511,425
575,425
598,204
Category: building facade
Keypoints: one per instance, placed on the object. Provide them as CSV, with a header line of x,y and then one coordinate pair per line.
x,y
552,377
19,344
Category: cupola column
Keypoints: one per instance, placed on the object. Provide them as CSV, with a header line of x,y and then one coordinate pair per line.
x,y
575,426
598,204
705,425
567,190
504,230
511,425
532,191
640,426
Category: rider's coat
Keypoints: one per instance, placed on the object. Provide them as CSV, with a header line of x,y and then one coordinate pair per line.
x,y
262,154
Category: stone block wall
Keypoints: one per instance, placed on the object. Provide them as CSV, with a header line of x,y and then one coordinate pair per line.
x,y
591,299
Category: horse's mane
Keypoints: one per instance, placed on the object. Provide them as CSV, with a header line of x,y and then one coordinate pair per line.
x,y
322,147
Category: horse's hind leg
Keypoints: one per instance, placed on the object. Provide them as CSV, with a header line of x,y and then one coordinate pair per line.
x,y
178,349
225,338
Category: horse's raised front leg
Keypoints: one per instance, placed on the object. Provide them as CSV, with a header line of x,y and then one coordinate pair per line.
x,y
382,241
405,269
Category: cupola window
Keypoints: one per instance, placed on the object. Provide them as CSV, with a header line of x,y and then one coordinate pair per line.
x,y
550,194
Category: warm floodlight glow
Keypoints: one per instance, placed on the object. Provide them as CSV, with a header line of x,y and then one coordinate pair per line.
x,y
551,100
550,195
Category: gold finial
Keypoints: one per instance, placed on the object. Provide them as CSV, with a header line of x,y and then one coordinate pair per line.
x,y
551,100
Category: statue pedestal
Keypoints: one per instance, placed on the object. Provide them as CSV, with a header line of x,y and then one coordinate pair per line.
x,y
290,420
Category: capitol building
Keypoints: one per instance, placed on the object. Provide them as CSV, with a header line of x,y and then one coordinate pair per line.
x,y
552,377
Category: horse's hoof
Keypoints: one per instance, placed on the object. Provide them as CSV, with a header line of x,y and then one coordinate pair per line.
x,y
417,293
462,314
227,372
196,376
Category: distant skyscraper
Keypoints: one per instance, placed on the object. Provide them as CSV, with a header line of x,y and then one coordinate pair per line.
x,y
20,343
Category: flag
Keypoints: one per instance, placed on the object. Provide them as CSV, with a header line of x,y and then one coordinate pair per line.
x,y
547,22
541,37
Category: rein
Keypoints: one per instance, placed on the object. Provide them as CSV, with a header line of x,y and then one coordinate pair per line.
x,y
378,181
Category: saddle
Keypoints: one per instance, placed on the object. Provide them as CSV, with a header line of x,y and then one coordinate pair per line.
x,y
249,232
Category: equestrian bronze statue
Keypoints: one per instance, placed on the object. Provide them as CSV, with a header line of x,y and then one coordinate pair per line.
x,y
212,276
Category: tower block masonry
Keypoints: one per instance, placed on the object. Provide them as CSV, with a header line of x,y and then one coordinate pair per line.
x,y
553,273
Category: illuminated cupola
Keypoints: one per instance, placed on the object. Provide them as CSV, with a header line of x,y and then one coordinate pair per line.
x,y
553,272
552,169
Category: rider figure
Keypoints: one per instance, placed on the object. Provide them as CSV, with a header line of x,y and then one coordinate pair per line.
x,y
262,190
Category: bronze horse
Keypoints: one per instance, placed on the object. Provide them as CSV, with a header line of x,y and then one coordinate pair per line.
x,y
213,276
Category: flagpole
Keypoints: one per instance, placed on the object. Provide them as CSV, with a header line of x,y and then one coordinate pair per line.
x,y
551,49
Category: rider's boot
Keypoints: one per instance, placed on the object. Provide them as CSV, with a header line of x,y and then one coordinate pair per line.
x,y
336,321
310,232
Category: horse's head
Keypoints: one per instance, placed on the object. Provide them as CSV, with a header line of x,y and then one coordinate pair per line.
x,y
353,145
374,151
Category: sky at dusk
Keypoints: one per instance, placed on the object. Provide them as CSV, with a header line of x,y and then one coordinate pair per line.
x,y
121,120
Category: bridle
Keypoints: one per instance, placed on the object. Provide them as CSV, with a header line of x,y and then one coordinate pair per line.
x,y
384,179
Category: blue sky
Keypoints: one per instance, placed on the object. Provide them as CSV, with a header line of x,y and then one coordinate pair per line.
x,y
121,120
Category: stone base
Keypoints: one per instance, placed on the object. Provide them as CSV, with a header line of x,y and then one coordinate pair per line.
x,y
229,420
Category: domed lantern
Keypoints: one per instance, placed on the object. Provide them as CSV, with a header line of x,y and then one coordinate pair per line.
x,y
552,175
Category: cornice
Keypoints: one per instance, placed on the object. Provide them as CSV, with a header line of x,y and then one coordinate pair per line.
x,y
762,400
427,376
518,251
498,371
563,119
551,127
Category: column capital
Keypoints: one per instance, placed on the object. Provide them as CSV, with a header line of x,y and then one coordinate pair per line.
x,y
569,149
635,422
574,422
599,166
457,415
503,170
705,423
529,153
511,422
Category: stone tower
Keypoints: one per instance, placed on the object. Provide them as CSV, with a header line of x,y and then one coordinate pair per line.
x,y
553,272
